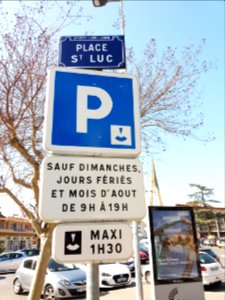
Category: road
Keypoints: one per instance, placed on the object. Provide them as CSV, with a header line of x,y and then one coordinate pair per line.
x,y
127,293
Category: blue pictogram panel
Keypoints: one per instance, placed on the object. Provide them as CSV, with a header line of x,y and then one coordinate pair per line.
x,y
90,109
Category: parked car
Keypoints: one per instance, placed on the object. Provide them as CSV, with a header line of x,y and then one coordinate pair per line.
x,y
212,271
205,242
221,243
210,252
144,257
217,242
201,242
61,280
10,261
212,242
114,275
209,241
30,251
143,253
131,265
144,241
144,247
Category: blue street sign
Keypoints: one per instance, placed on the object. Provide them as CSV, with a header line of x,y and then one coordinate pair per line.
x,y
92,113
92,52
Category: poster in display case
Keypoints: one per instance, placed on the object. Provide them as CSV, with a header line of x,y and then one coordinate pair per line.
x,y
174,245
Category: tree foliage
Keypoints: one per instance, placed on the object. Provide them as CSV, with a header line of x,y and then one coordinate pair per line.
x,y
168,92
204,212
200,196
28,48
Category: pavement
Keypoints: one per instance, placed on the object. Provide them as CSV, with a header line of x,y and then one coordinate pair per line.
x,y
130,293
126,293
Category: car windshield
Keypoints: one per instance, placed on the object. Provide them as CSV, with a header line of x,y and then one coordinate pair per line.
x,y
206,259
210,252
57,267
4,257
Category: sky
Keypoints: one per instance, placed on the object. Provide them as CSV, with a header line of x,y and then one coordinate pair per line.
x,y
176,24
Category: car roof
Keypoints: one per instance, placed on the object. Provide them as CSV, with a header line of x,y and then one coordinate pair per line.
x,y
9,252
35,257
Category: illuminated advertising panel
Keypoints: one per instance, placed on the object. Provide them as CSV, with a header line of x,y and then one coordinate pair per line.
x,y
174,245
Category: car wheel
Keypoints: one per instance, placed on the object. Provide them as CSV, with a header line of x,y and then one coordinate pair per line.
x,y
148,277
218,283
49,293
17,287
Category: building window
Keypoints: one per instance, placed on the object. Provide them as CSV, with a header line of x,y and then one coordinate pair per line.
x,y
19,227
2,246
13,226
27,227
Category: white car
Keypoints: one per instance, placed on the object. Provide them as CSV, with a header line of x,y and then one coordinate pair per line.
x,y
114,275
144,241
10,261
212,272
61,280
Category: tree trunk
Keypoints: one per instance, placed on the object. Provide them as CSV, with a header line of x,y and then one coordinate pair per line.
x,y
45,255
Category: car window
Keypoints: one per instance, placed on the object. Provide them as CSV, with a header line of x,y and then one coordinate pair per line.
x,y
5,257
28,264
32,252
17,255
206,259
210,252
56,267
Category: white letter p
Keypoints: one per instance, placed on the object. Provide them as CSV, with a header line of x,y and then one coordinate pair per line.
x,y
83,113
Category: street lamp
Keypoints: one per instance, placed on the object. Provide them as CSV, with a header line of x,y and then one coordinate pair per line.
x,y
99,3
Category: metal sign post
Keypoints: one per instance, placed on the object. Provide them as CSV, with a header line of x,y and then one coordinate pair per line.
x,y
93,281
138,271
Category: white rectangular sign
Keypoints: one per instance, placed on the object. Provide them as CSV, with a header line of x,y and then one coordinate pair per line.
x,y
91,189
92,242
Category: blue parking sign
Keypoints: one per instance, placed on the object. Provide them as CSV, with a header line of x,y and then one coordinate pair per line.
x,y
92,113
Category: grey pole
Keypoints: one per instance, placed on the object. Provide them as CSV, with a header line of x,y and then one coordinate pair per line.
x,y
138,272
92,281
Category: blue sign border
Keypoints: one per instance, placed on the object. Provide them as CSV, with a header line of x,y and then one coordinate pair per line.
x,y
91,149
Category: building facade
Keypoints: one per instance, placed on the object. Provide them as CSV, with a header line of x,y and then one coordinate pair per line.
x,y
16,233
216,225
